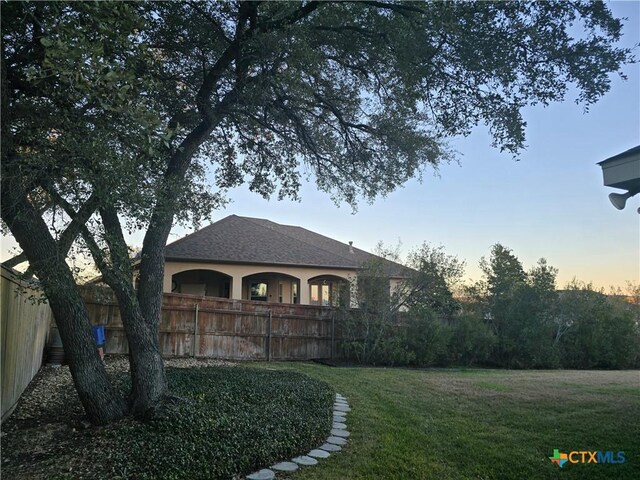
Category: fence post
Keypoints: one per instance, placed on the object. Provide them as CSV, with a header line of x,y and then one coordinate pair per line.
x,y
333,334
195,331
269,336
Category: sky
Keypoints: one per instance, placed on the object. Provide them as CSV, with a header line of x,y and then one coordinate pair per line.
x,y
551,203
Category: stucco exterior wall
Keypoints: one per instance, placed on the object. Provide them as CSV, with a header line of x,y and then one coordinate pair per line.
x,y
238,272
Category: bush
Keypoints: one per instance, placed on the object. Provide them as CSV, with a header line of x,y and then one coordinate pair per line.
x,y
603,332
427,337
471,341
240,420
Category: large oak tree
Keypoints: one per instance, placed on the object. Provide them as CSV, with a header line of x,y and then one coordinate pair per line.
x,y
123,116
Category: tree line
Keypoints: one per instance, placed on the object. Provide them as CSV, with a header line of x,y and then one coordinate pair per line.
x,y
511,318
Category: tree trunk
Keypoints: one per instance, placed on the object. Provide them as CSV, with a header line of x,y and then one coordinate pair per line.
x,y
148,379
101,402
149,386
147,367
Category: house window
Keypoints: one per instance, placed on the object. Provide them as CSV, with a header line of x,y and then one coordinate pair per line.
x,y
294,293
321,293
258,291
328,292
280,289
326,298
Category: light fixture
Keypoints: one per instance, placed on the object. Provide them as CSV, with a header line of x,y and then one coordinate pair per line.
x,y
620,199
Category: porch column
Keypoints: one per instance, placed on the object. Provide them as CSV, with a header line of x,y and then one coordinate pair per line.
x,y
236,287
305,297
166,282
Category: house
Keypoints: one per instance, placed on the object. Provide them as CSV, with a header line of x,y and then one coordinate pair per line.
x,y
255,259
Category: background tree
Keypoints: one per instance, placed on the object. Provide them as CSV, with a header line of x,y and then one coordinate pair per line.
x,y
430,304
119,109
407,321
517,305
370,326
600,332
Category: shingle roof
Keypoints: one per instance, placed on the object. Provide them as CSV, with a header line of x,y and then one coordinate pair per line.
x,y
248,240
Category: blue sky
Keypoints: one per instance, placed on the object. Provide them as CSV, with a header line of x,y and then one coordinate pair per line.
x,y
551,203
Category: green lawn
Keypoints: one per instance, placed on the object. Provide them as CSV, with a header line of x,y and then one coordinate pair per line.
x,y
480,424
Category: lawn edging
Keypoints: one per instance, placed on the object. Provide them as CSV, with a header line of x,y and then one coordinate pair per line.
x,y
333,444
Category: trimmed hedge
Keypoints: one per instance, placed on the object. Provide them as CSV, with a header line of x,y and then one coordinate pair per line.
x,y
241,419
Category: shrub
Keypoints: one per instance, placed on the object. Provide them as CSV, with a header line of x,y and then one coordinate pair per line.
x,y
471,341
239,420
427,337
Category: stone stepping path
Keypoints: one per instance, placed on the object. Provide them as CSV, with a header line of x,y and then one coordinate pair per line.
x,y
305,460
316,453
330,447
285,467
337,441
334,443
264,474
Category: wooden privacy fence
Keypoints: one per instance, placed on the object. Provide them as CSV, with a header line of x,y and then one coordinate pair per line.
x,y
24,329
198,326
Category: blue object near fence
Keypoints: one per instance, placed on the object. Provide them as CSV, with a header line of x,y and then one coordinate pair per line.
x,y
98,334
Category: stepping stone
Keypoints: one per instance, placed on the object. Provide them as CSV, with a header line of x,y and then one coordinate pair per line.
x,y
339,414
341,408
339,433
339,426
319,453
264,474
339,396
305,460
341,402
285,467
337,419
330,447
337,440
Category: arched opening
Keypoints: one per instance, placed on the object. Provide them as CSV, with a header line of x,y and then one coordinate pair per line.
x,y
210,283
271,287
329,291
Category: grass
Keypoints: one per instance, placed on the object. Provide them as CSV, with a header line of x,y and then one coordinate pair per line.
x,y
405,424
480,424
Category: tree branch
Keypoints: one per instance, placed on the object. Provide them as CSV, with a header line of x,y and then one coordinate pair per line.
x,y
401,8
17,260
290,19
